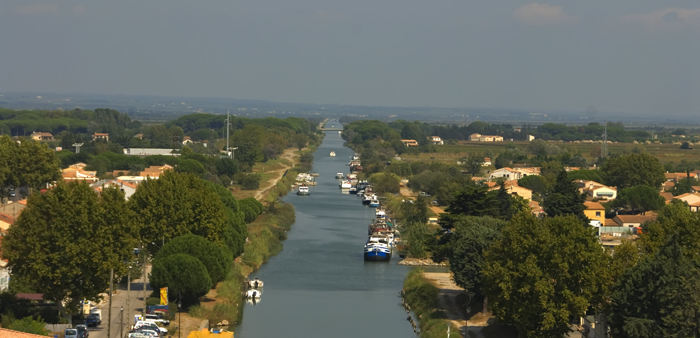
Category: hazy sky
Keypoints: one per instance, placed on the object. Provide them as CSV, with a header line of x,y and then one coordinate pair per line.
x,y
636,56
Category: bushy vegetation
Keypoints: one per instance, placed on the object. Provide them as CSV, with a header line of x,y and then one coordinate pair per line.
x,y
422,296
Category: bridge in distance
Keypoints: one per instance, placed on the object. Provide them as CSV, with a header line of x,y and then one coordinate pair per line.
x,y
332,129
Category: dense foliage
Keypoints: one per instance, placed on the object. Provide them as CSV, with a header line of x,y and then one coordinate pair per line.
x,y
66,241
184,275
216,258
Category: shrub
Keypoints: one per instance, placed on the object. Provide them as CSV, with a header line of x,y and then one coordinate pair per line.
x,y
183,274
250,181
211,255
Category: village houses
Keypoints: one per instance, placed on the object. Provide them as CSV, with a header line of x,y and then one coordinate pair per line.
x,y
42,136
485,138
436,140
596,190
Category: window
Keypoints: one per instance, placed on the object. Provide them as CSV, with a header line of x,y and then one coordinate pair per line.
x,y
597,214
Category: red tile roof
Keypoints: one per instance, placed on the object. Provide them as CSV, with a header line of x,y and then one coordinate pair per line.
x,y
7,218
593,206
6,333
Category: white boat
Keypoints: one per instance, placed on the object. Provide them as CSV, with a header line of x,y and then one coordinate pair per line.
x,y
303,190
339,175
255,283
332,153
253,294
345,184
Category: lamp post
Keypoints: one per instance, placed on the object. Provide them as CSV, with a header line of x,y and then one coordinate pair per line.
x,y
121,322
233,152
179,322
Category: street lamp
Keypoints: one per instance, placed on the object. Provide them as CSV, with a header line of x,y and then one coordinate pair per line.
x,y
179,316
121,322
233,152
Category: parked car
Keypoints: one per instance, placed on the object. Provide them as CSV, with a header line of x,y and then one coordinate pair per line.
x,y
150,326
83,331
152,333
96,311
71,333
92,320
424,194
156,319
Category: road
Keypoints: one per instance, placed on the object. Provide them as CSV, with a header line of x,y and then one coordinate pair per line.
x,y
135,299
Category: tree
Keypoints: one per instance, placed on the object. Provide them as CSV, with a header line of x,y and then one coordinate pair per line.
x,y
472,236
236,232
190,166
27,163
30,325
658,297
183,275
685,145
301,140
674,219
210,254
385,182
67,240
474,163
473,201
641,198
536,183
564,198
634,169
249,142
541,273
505,203
177,204
8,149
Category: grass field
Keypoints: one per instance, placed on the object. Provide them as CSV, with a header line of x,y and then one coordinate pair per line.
x,y
666,153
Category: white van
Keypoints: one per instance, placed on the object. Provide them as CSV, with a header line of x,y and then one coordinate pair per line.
x,y
150,325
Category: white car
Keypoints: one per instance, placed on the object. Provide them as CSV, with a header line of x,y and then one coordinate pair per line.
x,y
155,319
150,325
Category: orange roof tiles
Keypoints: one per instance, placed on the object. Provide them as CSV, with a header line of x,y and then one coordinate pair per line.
x,y
593,206
6,333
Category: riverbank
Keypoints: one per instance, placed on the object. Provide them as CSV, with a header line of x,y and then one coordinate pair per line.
x,y
223,304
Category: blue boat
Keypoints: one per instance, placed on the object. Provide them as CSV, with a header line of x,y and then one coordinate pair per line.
x,y
377,248
374,203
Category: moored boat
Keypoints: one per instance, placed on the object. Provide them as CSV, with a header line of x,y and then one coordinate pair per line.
x,y
332,153
345,184
353,190
253,293
339,175
377,248
255,283
374,203
303,190
367,198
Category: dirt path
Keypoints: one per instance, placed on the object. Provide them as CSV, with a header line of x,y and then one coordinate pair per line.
x,y
288,157
447,298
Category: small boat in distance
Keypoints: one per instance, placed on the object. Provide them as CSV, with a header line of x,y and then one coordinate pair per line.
x,y
332,153
255,283
339,175
303,190
345,185
253,294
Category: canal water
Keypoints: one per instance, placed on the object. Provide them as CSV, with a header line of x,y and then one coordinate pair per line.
x,y
319,285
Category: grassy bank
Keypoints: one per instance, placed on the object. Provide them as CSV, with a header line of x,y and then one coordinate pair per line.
x,y
265,236
422,296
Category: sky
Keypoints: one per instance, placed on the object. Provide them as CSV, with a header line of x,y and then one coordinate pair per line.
x,y
640,57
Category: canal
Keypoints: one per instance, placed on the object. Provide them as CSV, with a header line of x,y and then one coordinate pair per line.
x,y
319,285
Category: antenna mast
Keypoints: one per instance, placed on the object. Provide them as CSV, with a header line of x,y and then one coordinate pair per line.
x,y
77,147
227,125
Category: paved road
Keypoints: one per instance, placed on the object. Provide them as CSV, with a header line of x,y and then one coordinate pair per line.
x,y
135,299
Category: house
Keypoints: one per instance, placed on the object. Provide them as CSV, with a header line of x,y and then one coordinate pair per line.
x,y
77,172
667,196
436,140
126,187
675,177
632,220
530,138
42,136
485,138
13,209
487,162
186,140
513,174
7,333
152,172
150,151
692,199
695,189
6,220
535,208
595,211
668,185
410,143
513,188
100,136
139,136
596,190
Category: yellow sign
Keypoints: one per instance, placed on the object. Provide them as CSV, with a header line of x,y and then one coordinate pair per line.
x,y
163,296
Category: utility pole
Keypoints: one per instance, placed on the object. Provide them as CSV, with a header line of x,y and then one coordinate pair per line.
x,y
128,290
228,116
121,322
605,140
77,147
145,278
109,311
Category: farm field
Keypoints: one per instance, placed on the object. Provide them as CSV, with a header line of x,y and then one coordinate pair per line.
x,y
665,152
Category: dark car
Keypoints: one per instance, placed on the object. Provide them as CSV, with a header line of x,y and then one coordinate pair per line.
x,y
83,331
92,320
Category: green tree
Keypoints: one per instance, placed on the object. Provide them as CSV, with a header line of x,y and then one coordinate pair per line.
x,y
473,201
674,219
190,166
472,236
633,169
217,261
177,204
183,275
249,142
564,198
641,198
385,182
658,297
587,175
541,273
474,163
301,140
236,232
536,183
8,151
30,325
67,240
27,163
505,203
